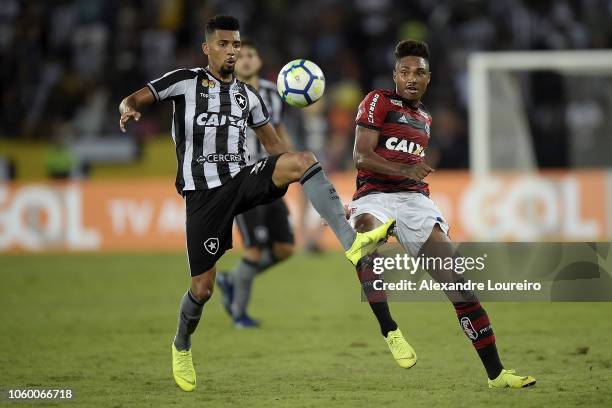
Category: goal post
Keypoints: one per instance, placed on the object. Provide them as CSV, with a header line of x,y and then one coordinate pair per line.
x,y
486,74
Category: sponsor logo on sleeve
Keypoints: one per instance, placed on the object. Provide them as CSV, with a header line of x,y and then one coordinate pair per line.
x,y
372,108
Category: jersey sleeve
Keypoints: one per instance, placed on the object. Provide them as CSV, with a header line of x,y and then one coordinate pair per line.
x,y
171,84
372,111
258,114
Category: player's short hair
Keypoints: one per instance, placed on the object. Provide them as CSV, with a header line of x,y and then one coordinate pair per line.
x,y
220,22
411,48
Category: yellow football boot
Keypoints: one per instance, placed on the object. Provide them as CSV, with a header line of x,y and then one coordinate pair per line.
x,y
367,242
402,352
182,369
509,379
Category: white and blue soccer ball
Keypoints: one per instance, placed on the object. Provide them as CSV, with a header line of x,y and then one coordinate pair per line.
x,y
301,83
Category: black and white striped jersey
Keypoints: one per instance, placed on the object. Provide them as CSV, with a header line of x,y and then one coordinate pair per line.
x,y
274,105
210,119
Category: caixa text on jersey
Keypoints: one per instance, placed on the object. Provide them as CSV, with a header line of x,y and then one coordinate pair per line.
x,y
216,119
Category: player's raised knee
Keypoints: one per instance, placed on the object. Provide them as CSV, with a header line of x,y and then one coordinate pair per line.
x,y
307,159
302,162
291,166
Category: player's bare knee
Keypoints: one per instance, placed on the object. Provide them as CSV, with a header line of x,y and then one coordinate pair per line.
x,y
306,159
202,292
293,166
202,286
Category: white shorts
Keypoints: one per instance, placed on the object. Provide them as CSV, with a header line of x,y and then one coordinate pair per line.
x,y
415,215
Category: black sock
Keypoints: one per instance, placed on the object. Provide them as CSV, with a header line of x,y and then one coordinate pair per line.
x,y
383,315
490,359
376,298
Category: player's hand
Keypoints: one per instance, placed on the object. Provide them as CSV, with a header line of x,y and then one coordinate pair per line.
x,y
126,117
418,171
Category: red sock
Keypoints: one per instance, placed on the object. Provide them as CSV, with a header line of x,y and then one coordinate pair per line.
x,y
475,323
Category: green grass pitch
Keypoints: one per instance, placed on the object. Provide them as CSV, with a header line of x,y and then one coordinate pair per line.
x,y
102,325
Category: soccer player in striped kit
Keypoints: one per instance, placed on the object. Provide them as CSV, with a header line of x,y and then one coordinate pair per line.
x,y
392,133
211,111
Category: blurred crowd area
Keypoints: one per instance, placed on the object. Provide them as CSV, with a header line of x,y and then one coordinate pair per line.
x,y
67,64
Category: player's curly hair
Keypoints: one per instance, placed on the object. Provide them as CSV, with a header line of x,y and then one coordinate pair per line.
x,y
220,22
411,48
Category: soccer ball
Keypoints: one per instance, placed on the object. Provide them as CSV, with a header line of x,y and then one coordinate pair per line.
x,y
301,83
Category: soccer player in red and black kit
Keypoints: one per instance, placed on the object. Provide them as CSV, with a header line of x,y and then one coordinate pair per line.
x,y
392,133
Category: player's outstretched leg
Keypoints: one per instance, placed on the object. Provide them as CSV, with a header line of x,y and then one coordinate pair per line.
x,y
303,166
190,312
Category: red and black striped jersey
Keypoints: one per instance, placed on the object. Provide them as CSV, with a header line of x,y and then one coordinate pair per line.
x,y
404,135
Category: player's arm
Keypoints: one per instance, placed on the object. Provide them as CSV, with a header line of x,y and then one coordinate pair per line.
x,y
171,85
272,141
130,107
365,157
281,131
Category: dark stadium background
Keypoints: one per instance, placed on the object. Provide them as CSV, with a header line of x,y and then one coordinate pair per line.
x,y
67,64
92,260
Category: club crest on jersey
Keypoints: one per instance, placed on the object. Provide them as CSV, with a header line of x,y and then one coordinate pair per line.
x,y
402,145
240,100
212,245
